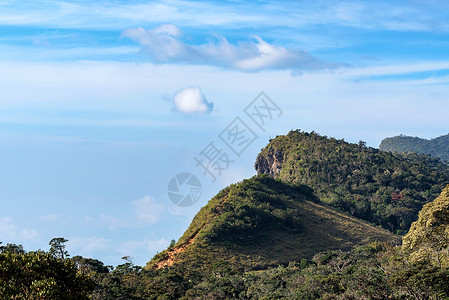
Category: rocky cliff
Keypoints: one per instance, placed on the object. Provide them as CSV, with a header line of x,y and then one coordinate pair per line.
x,y
428,237
271,163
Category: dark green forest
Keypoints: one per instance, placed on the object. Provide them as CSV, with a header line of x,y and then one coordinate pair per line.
x,y
386,189
374,271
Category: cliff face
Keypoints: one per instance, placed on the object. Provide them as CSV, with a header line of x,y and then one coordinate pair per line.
x,y
271,163
428,237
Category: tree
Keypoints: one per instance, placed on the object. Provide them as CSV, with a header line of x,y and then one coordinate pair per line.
x,y
12,248
89,265
57,248
40,275
128,259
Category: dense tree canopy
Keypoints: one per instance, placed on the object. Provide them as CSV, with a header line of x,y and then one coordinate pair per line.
x,y
387,189
40,275
437,147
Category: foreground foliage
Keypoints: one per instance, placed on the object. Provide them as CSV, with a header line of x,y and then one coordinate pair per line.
x,y
376,271
40,275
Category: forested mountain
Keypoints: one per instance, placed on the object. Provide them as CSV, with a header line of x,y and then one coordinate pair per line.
x,y
263,222
291,233
437,147
387,189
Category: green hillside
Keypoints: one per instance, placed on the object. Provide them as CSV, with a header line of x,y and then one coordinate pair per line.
x,y
273,237
264,222
387,189
437,147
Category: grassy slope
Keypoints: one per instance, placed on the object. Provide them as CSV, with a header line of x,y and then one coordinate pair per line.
x,y
264,222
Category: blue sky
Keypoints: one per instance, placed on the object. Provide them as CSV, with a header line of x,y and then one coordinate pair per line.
x,y
103,102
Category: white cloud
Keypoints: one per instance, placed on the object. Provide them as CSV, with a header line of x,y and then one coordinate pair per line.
x,y
191,100
6,225
165,45
145,211
148,210
92,14
275,57
87,246
412,15
30,91
9,232
396,69
132,248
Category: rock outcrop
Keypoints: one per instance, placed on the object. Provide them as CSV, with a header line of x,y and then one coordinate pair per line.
x,y
270,163
428,237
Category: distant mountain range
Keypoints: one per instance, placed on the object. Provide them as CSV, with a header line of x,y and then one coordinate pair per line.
x,y
437,147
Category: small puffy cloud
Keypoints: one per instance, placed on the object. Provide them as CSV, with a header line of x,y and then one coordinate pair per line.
x,y
144,211
114,222
132,248
165,45
87,246
191,100
148,210
6,225
10,233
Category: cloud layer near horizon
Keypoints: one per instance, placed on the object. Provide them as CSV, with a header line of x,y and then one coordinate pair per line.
x,y
165,45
